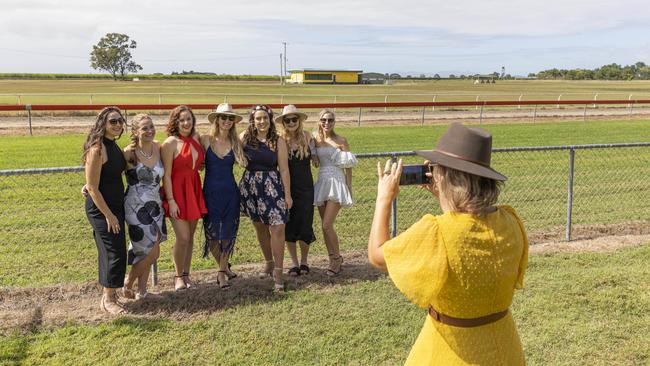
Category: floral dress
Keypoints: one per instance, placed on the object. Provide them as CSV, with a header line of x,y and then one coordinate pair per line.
x,y
261,189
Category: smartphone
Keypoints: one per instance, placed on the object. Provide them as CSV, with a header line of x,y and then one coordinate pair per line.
x,y
414,174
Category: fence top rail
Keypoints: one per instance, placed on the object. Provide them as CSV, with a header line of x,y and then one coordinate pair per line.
x,y
70,169
325,95
95,107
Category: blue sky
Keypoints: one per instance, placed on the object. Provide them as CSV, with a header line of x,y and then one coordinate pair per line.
x,y
408,36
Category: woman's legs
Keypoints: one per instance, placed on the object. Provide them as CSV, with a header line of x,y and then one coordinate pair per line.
x,y
222,262
187,265
277,248
183,232
293,253
328,213
304,252
264,238
140,271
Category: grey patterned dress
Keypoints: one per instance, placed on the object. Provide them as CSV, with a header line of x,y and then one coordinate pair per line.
x,y
143,210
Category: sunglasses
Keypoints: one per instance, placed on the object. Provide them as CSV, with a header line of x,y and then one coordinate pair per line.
x,y
290,120
327,120
225,117
115,121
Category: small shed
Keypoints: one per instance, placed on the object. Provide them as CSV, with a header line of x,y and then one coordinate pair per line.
x,y
324,76
373,78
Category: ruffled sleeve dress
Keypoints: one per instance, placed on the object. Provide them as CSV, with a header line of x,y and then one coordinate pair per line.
x,y
331,185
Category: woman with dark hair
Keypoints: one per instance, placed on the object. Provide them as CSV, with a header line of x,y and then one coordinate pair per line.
x,y
333,189
265,188
464,265
182,157
104,164
301,146
222,150
145,216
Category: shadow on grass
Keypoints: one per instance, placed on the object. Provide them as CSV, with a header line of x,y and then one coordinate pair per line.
x,y
206,296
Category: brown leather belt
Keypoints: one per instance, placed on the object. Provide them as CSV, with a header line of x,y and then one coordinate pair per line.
x,y
466,323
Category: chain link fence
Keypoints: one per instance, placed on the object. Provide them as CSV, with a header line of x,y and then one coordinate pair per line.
x,y
45,238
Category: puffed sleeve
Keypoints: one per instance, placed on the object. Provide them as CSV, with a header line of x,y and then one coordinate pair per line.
x,y
523,262
343,159
417,261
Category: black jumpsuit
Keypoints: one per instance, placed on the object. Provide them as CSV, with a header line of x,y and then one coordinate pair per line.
x,y
111,246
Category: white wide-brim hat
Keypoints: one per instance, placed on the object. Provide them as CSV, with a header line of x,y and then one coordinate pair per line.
x,y
225,109
290,109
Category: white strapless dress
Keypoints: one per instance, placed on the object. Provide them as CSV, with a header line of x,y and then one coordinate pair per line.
x,y
331,185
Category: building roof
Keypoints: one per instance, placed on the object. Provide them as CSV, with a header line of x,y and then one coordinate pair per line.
x,y
324,70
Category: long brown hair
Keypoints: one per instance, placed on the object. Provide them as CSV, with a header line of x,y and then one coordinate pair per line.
x,y
321,133
98,130
235,144
174,115
250,136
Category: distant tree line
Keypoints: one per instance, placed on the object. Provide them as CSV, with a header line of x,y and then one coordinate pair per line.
x,y
637,71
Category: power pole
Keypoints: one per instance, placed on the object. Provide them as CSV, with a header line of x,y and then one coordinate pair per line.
x,y
281,74
285,57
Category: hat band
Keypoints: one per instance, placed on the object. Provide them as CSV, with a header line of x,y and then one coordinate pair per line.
x,y
463,158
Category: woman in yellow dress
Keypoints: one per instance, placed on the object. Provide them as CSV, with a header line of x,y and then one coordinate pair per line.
x,y
464,265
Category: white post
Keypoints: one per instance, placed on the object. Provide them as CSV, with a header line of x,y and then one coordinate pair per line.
x,y
595,97
225,99
558,99
434,100
520,96
91,99
477,101
630,105
335,103
282,99
386,101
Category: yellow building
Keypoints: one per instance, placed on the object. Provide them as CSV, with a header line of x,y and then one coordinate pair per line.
x,y
322,76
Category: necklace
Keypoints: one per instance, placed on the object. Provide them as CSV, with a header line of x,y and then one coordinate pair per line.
x,y
147,157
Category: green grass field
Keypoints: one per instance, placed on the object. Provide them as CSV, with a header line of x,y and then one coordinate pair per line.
x,y
597,301
168,91
578,309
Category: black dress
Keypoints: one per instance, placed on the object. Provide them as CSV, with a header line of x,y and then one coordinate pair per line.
x,y
110,246
301,217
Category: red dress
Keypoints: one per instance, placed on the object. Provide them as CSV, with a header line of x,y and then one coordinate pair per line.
x,y
186,182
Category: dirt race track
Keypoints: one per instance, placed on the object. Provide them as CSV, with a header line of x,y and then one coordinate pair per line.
x,y
46,124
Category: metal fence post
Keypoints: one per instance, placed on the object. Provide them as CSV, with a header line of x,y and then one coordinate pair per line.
x,y
29,117
359,120
535,114
423,108
480,118
393,209
569,204
154,273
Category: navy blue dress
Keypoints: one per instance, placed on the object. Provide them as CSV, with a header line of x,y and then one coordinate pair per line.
x,y
261,189
222,200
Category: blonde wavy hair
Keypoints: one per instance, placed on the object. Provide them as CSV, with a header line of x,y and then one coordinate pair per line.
x,y
299,137
135,126
321,134
465,192
235,143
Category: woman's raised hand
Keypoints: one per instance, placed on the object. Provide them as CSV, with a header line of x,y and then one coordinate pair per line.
x,y
388,186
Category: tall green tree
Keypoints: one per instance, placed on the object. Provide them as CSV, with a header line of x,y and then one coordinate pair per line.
x,y
113,54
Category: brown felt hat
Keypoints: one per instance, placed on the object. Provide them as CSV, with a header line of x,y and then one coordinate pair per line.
x,y
466,149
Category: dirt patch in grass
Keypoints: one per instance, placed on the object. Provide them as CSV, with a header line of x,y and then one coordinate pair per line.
x,y
27,310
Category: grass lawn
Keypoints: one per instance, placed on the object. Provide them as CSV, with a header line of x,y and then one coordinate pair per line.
x,y
43,225
576,309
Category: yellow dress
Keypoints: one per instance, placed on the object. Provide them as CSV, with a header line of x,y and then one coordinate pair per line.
x,y
465,266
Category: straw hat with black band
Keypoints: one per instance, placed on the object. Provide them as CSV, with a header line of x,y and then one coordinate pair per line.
x,y
225,109
288,110
467,149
